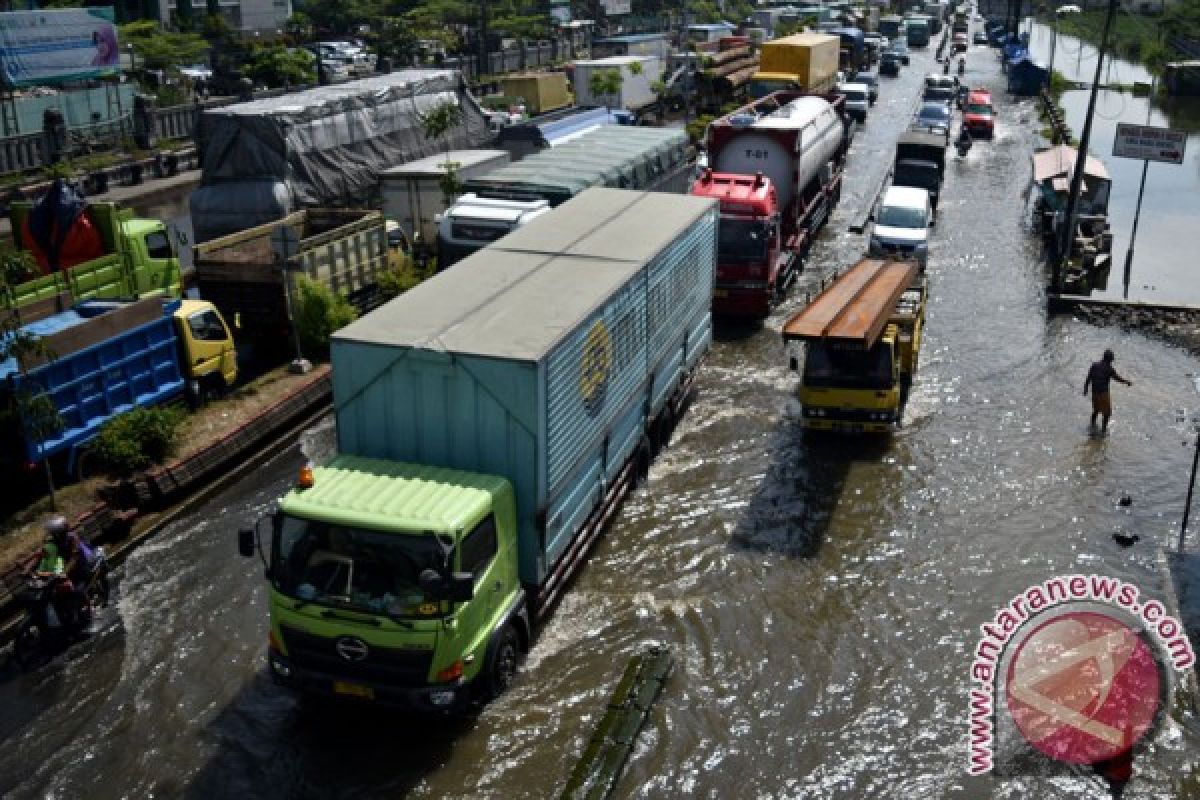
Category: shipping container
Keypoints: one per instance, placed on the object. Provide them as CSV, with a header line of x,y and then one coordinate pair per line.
x,y
541,359
638,74
539,91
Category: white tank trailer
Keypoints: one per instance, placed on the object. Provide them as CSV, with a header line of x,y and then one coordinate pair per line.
x,y
792,145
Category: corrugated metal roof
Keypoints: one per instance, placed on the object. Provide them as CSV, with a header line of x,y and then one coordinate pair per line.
x,y
1060,160
390,496
517,298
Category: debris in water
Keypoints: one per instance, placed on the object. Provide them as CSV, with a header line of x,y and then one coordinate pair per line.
x,y
1126,539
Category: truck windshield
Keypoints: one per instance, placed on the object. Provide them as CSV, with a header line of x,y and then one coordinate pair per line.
x,y
743,241
356,569
827,367
902,217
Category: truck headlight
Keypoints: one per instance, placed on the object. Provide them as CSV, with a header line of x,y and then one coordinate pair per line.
x,y
442,698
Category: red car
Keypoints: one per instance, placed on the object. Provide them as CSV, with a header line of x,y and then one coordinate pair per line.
x,y
978,116
960,43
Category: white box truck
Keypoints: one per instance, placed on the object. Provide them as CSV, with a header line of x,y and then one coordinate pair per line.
x,y
412,193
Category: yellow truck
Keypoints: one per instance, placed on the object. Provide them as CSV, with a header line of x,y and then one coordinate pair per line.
x,y
861,338
806,62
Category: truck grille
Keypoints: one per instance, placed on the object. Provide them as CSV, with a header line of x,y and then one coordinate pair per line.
x,y
387,665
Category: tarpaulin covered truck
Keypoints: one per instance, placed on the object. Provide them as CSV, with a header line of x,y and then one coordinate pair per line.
x,y
321,147
489,422
104,357
90,250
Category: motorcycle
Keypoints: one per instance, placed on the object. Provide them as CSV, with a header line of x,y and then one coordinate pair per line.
x,y
962,66
963,145
45,629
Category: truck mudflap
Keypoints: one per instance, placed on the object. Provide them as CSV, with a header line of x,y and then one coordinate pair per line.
x,y
542,599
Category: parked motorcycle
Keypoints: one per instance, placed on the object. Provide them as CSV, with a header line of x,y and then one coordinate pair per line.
x,y
50,623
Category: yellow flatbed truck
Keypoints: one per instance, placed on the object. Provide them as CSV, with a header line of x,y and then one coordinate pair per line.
x,y
861,338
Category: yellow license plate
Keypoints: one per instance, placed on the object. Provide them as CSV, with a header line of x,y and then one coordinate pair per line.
x,y
720,293
353,690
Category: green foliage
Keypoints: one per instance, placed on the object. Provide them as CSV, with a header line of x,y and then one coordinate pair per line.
x,y
449,183
135,440
319,312
275,66
606,83
155,48
395,282
697,128
438,121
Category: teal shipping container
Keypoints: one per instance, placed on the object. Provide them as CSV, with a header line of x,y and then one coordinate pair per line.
x,y
542,358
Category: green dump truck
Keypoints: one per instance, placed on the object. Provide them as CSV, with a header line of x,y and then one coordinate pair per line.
x,y
133,257
489,423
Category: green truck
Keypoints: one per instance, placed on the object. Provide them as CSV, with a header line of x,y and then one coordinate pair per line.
x,y
489,423
138,260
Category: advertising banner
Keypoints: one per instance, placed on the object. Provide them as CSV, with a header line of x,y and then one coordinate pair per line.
x,y
57,45
614,8
1152,144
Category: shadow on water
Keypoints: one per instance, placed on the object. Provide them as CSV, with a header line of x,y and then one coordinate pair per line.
x,y
272,744
793,507
732,329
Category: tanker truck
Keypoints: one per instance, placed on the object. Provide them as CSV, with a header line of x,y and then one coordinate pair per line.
x,y
776,171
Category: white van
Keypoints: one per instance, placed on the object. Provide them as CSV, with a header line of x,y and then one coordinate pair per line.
x,y
901,225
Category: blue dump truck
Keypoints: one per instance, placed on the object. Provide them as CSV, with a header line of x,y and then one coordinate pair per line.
x,y
489,422
103,357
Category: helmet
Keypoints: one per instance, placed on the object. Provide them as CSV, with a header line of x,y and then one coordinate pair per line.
x,y
57,526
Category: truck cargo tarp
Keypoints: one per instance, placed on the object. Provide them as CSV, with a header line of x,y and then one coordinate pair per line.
x,y
324,146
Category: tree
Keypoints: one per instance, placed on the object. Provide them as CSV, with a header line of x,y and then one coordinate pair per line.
x,y
158,49
437,123
31,408
606,83
275,65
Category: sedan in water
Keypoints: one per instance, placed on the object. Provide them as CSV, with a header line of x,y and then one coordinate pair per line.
x,y
978,116
934,117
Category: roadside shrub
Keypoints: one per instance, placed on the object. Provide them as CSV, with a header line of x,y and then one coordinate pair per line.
x,y
319,312
135,440
395,282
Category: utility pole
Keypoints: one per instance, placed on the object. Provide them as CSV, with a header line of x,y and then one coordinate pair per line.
x,y
1137,213
1187,507
1068,234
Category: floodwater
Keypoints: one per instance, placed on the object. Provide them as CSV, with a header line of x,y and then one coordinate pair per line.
x,y
1164,259
822,596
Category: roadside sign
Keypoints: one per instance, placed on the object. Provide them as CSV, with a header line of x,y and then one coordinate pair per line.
x,y
1149,143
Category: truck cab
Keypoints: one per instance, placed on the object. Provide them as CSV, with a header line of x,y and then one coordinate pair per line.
x,y
394,583
750,257
474,222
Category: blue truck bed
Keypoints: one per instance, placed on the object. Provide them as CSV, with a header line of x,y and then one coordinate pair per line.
x,y
137,366
540,358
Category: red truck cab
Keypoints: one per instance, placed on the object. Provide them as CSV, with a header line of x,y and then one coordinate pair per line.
x,y
749,248
978,115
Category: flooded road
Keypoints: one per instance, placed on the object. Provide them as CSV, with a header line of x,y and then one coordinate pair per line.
x,y
822,596
1163,260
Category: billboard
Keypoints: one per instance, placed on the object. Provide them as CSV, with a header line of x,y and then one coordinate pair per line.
x,y
613,8
57,45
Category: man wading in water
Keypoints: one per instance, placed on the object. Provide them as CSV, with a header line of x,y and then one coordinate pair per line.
x,y
1098,377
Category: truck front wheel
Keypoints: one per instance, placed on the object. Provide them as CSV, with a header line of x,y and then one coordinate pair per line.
x,y
502,662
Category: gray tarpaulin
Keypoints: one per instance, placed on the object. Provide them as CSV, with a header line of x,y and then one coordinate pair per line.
x,y
321,147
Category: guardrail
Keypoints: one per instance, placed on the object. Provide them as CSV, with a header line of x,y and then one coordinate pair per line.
x,y
1060,132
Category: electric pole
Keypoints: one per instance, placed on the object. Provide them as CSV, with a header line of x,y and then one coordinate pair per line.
x,y
1068,234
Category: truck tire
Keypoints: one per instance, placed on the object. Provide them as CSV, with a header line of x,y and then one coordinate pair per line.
x,y
501,665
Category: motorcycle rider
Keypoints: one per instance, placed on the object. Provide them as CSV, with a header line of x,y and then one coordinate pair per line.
x,y
962,66
963,142
65,553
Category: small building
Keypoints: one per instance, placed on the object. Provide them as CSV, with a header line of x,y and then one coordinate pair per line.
x,y
1025,77
633,44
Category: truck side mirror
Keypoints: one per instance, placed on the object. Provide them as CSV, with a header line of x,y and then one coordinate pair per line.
x,y
246,542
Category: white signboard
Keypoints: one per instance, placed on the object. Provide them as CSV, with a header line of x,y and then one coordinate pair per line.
x,y
57,45
614,7
1152,144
